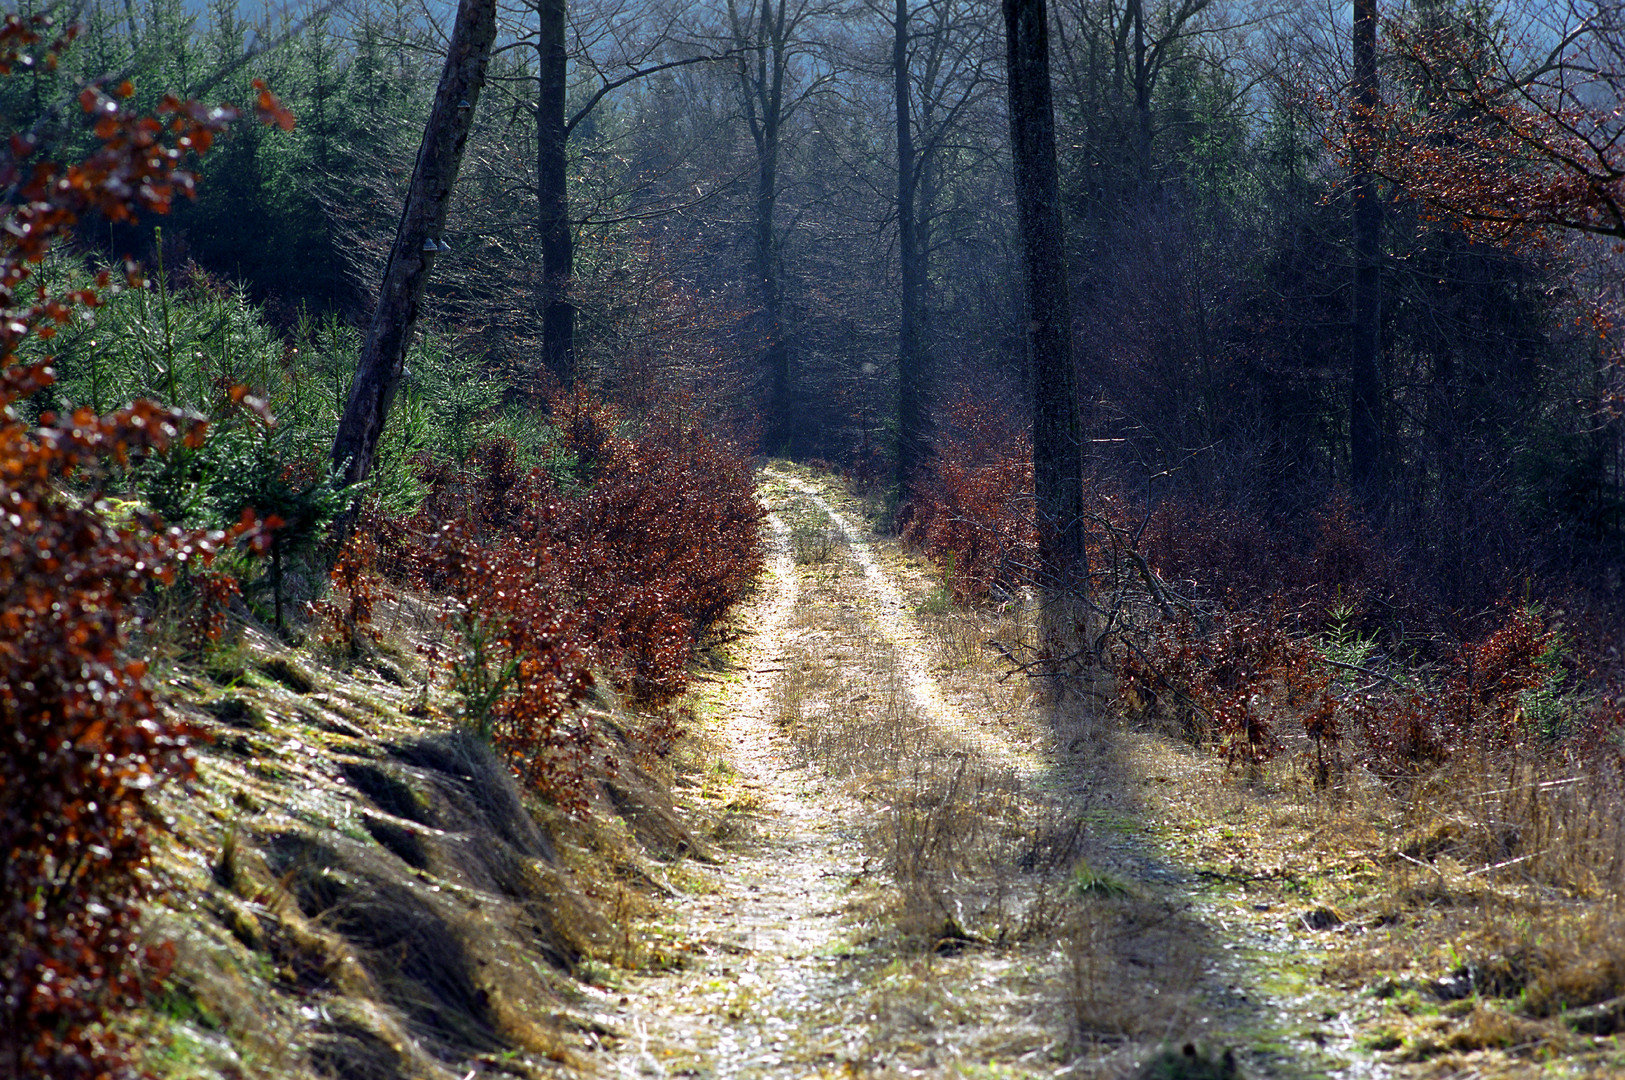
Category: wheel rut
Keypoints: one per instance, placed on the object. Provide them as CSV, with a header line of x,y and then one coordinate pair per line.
x,y
779,972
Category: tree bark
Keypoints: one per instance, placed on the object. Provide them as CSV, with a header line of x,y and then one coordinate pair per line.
x,y
776,356
1142,102
553,201
913,376
383,353
1365,382
763,51
1057,427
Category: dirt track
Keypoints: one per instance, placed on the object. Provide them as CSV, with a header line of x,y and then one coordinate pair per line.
x,y
904,897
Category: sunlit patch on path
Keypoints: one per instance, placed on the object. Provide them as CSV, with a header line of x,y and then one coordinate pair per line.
x,y
894,621
935,877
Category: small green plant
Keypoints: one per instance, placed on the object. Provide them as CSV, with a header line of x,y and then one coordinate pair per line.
x,y
940,600
1551,708
1092,884
480,676
258,466
1342,643
462,399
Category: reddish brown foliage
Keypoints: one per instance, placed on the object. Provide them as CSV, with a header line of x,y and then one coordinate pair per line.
x,y
209,594
1334,559
516,668
356,587
480,493
1232,683
84,739
974,512
1496,148
625,571
1475,706
1241,657
650,556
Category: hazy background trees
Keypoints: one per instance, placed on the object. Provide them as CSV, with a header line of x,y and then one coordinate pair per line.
x,y
798,216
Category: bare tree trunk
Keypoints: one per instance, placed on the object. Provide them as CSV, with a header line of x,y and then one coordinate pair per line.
x,y
1142,101
762,92
1057,428
913,378
553,202
1365,383
383,353
776,356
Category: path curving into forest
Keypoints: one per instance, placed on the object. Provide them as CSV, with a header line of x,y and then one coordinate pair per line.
x,y
925,878
896,623
778,961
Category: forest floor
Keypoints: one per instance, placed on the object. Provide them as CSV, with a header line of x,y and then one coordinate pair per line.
x,y
933,870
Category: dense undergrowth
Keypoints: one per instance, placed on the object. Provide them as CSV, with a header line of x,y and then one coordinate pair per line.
x,y
1224,628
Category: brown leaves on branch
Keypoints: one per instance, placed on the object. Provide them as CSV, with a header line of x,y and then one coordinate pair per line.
x,y
1504,146
622,567
974,511
85,740
268,109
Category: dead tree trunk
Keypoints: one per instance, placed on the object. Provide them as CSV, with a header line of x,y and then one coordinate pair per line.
x,y
1057,428
417,239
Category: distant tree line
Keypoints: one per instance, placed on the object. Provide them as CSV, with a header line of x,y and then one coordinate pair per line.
x,y
803,212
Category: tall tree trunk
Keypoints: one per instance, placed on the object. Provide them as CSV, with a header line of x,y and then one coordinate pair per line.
x,y
1057,427
423,220
1365,383
776,356
913,378
770,94
1142,102
553,201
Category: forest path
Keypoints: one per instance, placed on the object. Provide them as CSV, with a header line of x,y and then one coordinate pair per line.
x,y
927,875
784,958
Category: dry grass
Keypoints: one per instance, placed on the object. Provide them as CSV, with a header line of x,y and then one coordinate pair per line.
x,y
1491,881
1474,909
971,852
986,864
356,890
1469,917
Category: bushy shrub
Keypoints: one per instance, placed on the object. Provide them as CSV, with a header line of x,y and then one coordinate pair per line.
x,y
1477,703
85,741
1231,682
514,667
974,512
655,550
1329,558
354,588
620,562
